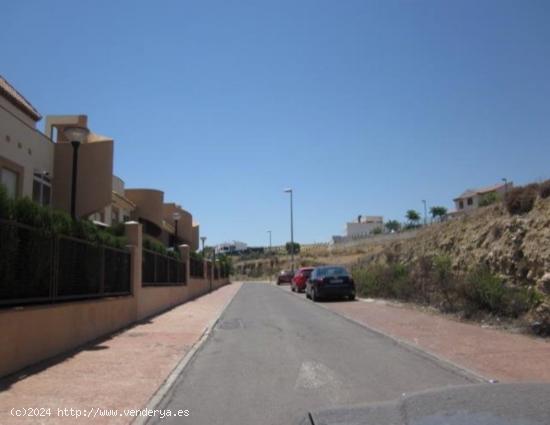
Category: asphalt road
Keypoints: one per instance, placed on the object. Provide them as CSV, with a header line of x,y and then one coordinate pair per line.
x,y
273,356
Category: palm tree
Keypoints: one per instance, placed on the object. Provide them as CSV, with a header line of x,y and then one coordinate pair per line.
x,y
438,212
393,225
413,217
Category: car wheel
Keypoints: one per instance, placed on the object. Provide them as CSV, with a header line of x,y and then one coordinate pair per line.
x,y
314,296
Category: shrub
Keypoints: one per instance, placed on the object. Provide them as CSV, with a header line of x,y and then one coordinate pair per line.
x,y
377,231
521,200
446,281
489,199
485,291
158,247
383,280
53,222
289,246
6,204
544,189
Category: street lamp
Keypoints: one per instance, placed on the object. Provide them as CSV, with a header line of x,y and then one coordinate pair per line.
x,y
76,135
176,216
289,190
505,180
203,239
425,212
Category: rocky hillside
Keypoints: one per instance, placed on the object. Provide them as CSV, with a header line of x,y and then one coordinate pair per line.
x,y
515,247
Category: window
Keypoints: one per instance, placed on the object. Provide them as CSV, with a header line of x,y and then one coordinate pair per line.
x,y
41,188
330,272
470,201
114,215
9,179
461,204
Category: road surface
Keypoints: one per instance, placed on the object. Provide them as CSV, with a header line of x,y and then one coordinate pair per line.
x,y
274,356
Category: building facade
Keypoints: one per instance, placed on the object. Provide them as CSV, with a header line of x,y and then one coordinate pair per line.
x,y
39,166
473,198
364,226
26,154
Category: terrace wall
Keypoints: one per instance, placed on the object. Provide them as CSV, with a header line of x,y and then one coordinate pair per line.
x,y
32,333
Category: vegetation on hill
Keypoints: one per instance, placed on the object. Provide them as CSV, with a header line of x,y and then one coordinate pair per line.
x,y
494,260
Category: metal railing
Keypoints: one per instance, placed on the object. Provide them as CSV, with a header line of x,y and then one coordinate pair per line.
x,y
36,267
224,271
162,270
209,269
196,268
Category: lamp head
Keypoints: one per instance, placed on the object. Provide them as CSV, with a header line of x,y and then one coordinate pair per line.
x,y
75,133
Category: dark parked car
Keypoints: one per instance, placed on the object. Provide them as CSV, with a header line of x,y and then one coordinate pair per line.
x,y
300,278
285,276
330,281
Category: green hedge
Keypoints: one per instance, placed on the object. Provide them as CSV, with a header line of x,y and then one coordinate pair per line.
x,y
54,222
158,247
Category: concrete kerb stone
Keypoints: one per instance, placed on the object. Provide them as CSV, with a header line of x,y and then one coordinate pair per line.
x,y
440,361
166,386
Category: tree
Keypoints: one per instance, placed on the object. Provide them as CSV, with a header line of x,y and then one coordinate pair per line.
x,y
438,212
413,217
489,199
377,231
288,247
393,225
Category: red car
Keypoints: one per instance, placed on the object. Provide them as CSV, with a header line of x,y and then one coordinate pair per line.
x,y
300,278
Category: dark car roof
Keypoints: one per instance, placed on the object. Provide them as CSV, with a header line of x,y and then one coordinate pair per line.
x,y
330,267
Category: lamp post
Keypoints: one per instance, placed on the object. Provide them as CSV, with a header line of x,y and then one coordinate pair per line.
x,y
176,216
425,212
289,190
76,135
269,231
203,239
505,180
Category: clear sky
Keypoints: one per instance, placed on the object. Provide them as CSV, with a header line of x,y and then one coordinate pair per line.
x,y
363,107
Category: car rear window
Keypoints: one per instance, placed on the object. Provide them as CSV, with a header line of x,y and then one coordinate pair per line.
x,y
332,271
307,273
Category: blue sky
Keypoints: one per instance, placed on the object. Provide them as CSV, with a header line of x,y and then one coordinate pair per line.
x,y
363,107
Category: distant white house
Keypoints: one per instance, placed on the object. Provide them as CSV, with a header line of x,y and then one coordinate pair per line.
x,y
230,247
364,226
471,198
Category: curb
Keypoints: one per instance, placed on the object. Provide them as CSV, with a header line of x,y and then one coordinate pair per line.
x,y
166,386
441,361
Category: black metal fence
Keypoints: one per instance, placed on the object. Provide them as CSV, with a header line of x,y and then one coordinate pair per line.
x,y
196,268
224,271
216,272
36,267
209,269
161,270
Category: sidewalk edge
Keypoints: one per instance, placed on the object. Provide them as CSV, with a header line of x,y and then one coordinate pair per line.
x,y
442,361
165,387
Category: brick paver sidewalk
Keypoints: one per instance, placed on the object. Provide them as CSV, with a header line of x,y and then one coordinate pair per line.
x,y
491,353
122,372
